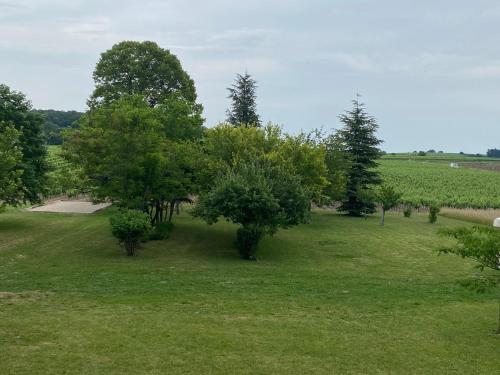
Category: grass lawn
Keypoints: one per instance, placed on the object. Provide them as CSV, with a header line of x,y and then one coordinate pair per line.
x,y
337,296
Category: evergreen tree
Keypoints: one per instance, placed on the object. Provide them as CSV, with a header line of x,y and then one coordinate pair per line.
x,y
360,142
243,111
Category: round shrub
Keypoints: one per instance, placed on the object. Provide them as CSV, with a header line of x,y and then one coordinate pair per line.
x,y
130,227
407,212
433,212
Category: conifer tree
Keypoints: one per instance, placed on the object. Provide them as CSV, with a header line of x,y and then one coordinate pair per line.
x,y
243,111
359,139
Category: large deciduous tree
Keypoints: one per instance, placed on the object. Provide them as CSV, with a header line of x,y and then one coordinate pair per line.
x,y
136,155
15,112
243,95
358,137
140,68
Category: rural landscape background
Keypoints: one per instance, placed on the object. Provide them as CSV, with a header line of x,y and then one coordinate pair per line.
x,y
140,235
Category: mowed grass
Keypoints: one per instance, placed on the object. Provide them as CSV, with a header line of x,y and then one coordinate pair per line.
x,y
337,296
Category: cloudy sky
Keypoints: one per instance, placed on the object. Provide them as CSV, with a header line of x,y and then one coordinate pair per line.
x,y
428,70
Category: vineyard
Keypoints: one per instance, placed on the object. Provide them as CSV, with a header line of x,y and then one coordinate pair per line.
x,y
63,177
425,182
54,158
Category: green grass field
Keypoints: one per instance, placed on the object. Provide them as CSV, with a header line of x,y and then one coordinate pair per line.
x,y
337,296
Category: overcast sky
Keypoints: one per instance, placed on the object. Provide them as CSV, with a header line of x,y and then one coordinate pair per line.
x,y
428,70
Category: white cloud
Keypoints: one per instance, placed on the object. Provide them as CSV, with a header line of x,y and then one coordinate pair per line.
x,y
489,70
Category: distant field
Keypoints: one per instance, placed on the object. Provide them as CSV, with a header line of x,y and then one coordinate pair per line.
x,y
444,157
423,181
473,215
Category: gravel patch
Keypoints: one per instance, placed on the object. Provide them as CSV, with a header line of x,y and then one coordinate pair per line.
x,y
77,207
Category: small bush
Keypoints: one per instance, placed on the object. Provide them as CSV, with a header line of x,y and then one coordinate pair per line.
x,y
161,231
407,212
247,239
130,227
433,212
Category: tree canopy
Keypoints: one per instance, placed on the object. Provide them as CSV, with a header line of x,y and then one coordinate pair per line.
x,y
388,198
136,155
55,122
15,112
140,68
10,166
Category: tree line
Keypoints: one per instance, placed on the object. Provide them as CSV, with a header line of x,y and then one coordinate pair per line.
x,y
142,145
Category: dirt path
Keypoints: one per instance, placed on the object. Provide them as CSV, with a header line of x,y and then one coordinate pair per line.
x,y
79,207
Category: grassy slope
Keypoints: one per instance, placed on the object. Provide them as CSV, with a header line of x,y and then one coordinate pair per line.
x,y
338,296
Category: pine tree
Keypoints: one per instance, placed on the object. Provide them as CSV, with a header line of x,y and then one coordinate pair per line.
x,y
243,111
360,142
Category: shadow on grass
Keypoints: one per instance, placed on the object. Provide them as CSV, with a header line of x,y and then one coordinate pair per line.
x,y
10,223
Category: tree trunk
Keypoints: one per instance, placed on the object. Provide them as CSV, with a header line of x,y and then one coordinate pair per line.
x,y
383,217
498,330
172,207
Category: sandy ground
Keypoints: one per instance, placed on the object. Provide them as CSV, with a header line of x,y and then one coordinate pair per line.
x,y
79,207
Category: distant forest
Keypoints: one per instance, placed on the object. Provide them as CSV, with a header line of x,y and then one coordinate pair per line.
x,y
55,122
493,153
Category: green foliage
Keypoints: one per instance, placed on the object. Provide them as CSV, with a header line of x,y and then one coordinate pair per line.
x,y
118,146
140,68
224,146
305,158
260,197
136,155
64,177
407,211
161,231
243,111
10,165
15,111
478,243
130,227
181,118
360,144
228,144
481,244
433,212
388,198
55,122
338,163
